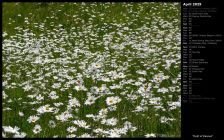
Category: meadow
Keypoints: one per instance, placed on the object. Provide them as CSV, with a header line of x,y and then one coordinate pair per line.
x,y
91,70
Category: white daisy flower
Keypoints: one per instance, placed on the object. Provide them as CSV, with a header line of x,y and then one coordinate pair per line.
x,y
71,136
142,72
150,135
81,123
162,90
37,129
71,129
45,108
85,135
112,100
20,135
74,102
64,116
52,124
21,114
80,88
90,100
111,121
33,119
53,95
10,129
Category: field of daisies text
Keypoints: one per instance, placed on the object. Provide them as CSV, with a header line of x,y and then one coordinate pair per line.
x,y
91,70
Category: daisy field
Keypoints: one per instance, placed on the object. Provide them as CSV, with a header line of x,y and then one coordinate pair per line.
x,y
91,70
